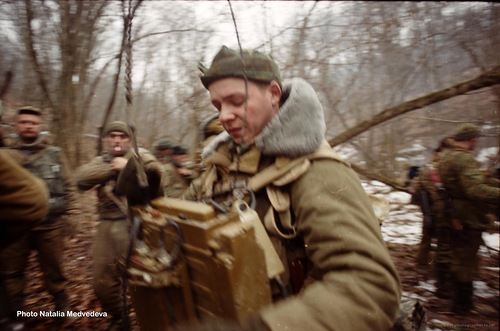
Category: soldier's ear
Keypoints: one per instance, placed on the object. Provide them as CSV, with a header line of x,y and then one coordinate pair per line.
x,y
276,93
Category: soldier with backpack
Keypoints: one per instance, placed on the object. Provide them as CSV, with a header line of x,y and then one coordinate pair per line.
x,y
338,272
469,197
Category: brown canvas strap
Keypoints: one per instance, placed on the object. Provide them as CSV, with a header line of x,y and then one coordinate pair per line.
x,y
286,170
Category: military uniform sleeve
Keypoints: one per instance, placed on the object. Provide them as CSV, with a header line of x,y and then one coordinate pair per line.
x,y
194,189
473,181
356,286
153,169
23,197
166,178
96,172
173,186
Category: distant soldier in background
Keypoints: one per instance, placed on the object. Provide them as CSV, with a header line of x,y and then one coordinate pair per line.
x,y
178,173
186,169
424,194
426,186
163,150
435,225
468,195
40,157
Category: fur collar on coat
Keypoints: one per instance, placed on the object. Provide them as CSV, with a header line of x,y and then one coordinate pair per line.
x,y
298,128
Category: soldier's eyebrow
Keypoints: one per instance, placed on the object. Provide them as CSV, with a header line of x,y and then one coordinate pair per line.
x,y
118,135
30,122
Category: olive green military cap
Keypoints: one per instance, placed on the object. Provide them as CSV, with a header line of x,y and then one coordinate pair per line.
x,y
29,110
117,126
467,132
251,64
164,143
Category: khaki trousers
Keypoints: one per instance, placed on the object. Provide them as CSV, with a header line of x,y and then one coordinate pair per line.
x,y
111,242
49,245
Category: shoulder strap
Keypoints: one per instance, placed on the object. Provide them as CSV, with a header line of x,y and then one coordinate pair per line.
x,y
285,170
32,158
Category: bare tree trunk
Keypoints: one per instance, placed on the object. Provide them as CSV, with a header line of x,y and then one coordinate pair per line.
x,y
30,46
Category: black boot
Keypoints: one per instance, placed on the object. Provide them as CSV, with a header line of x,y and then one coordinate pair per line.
x,y
444,282
462,303
469,296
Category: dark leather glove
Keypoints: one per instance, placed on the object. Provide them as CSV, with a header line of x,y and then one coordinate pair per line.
x,y
252,323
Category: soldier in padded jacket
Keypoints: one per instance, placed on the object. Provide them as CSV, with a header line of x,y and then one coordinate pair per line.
x,y
350,281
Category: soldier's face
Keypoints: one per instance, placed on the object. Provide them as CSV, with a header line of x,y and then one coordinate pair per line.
x,y
473,143
163,155
181,158
28,126
244,121
117,143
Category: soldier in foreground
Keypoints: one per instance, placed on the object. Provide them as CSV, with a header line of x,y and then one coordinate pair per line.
x,y
469,200
24,197
350,281
48,162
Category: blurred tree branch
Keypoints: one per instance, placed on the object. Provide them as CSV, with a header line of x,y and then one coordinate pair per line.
x,y
6,83
147,35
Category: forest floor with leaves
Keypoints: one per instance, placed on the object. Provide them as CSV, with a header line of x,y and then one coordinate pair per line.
x,y
414,279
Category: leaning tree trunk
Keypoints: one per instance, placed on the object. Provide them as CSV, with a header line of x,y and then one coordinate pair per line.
x,y
488,79
485,80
